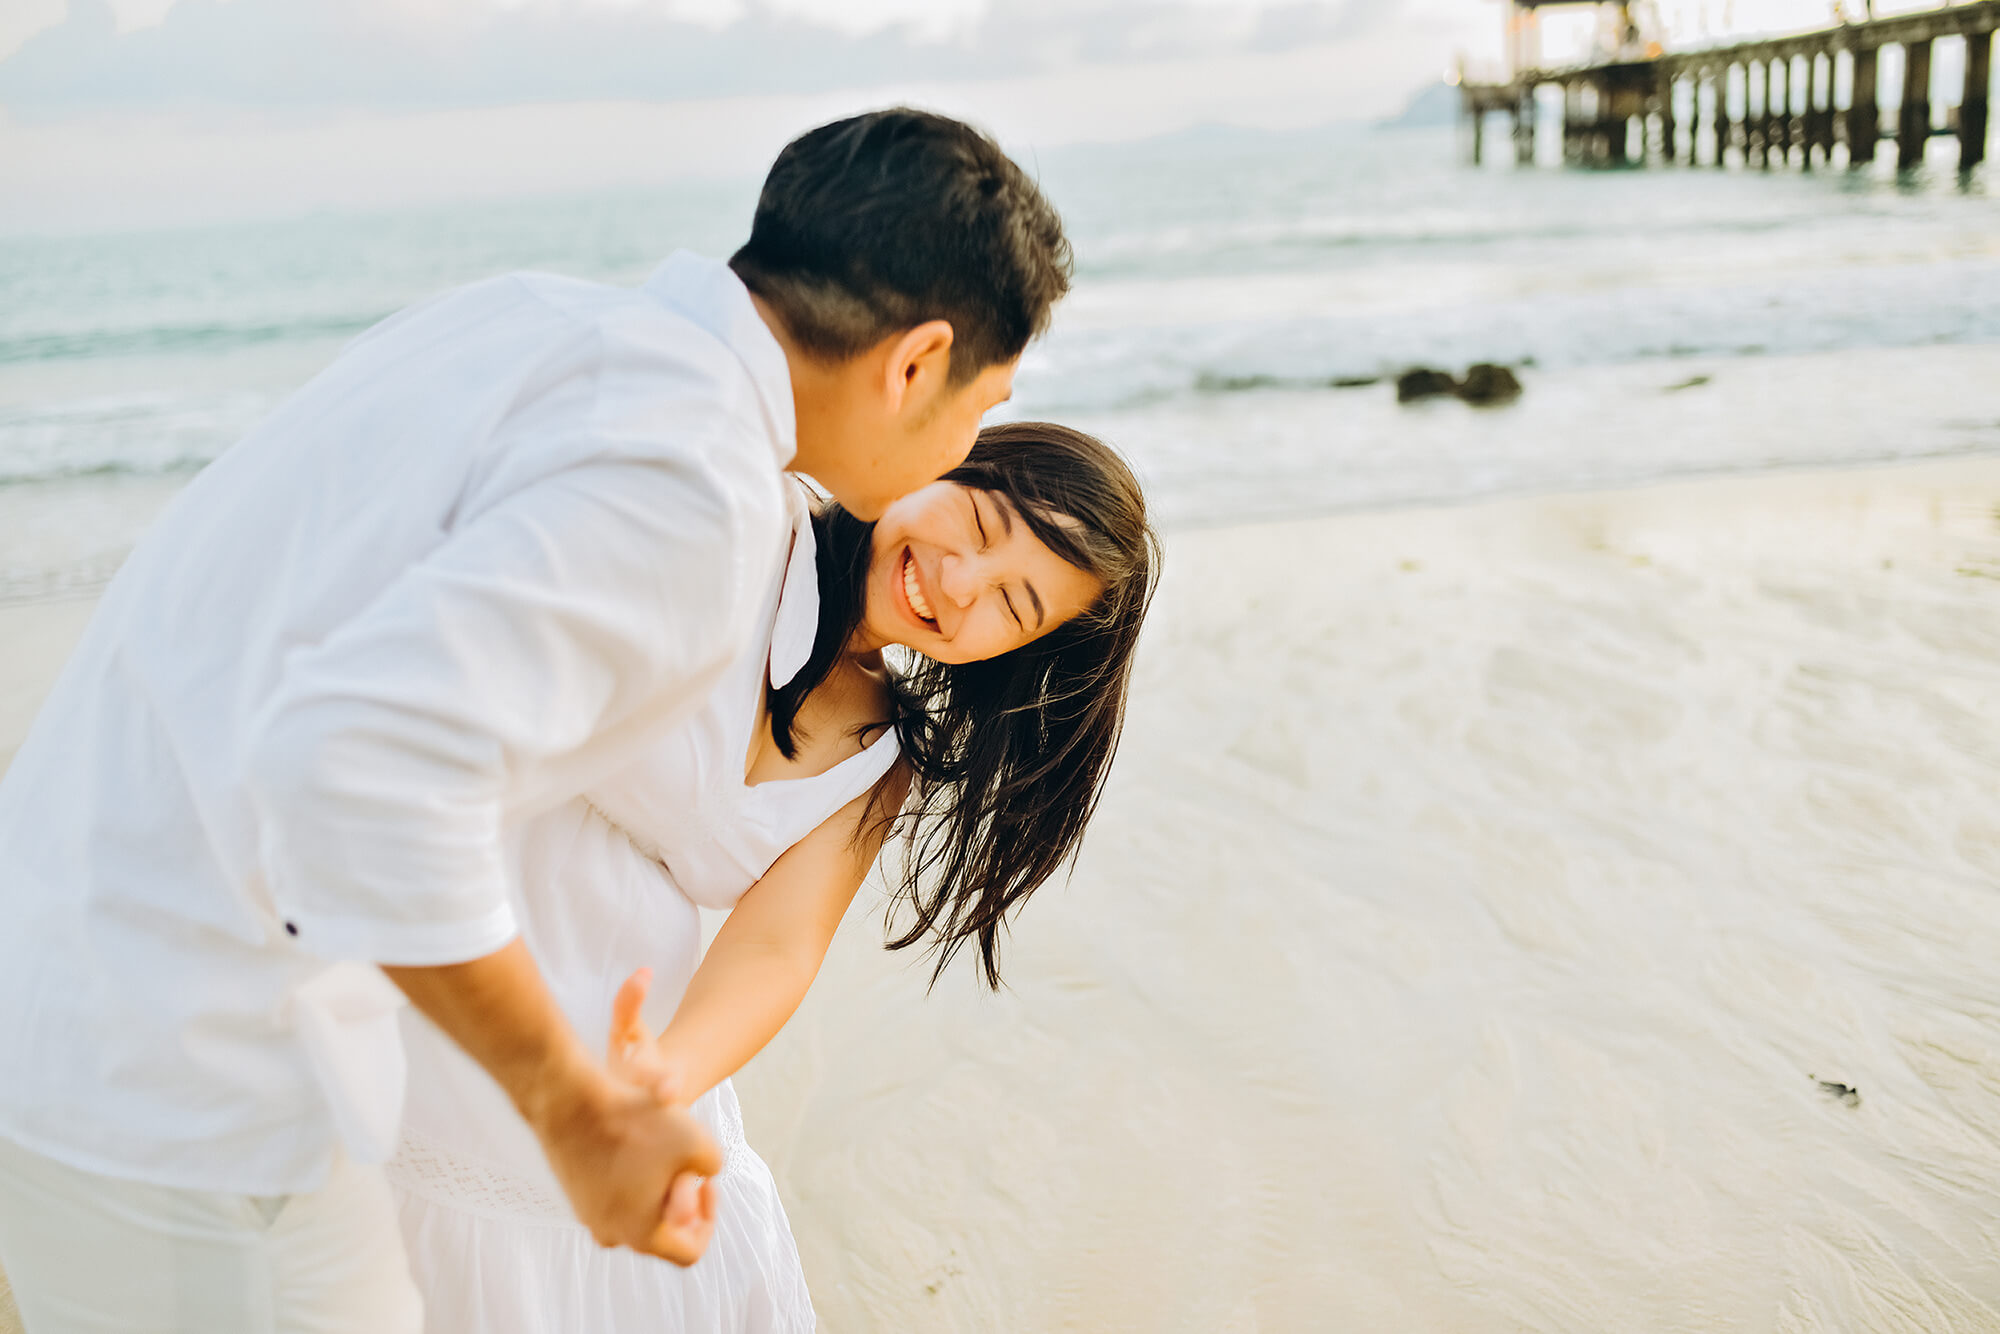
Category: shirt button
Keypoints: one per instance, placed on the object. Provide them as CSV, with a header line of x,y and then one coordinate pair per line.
x,y
291,928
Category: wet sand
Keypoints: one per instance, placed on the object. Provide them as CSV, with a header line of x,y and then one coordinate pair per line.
x,y
37,638
1566,914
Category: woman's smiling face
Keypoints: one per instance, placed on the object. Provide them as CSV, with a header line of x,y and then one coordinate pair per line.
x,y
958,575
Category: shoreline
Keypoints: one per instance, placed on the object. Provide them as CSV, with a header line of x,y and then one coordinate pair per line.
x,y
1329,452
1574,430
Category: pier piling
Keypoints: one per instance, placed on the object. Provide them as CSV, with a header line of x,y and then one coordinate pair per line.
x,y
1721,116
1972,109
1808,116
1913,120
1864,113
1770,117
1823,112
1694,122
1524,128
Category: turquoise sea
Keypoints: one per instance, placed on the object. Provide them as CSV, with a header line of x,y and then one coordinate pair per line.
x,y
1226,280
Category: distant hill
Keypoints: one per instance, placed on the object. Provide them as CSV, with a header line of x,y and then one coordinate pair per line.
x,y
1211,138
1433,105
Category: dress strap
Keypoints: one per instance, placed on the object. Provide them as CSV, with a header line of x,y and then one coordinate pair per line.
x,y
788,809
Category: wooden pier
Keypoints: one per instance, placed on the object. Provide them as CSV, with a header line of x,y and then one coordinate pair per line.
x,y
1771,99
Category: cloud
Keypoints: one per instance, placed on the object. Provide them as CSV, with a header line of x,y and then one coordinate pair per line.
x,y
396,55
326,54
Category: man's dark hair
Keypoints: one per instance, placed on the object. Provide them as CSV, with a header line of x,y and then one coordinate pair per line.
x,y
873,225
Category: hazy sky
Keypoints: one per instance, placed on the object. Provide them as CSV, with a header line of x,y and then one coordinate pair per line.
x,y
458,52
124,111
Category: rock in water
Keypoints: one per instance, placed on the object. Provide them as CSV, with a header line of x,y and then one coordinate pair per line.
x,y
1488,383
1423,382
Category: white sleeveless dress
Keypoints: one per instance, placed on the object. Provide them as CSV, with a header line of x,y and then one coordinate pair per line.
x,y
606,885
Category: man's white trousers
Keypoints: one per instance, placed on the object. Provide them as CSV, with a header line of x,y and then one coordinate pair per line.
x,y
90,1254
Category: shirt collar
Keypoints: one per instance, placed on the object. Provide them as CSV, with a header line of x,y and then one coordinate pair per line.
x,y
797,624
708,293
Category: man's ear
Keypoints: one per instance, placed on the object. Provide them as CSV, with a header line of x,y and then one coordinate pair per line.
x,y
919,366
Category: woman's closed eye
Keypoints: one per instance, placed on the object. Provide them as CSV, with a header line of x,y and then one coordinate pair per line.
x,y
973,557
986,544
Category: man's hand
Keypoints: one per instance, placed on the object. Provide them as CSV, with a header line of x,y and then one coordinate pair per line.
x,y
633,1168
617,1145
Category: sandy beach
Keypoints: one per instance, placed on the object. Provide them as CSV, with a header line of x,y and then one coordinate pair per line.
x,y
38,636
1561,914
1572,914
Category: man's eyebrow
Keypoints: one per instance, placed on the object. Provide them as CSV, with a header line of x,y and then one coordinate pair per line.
x,y
1005,509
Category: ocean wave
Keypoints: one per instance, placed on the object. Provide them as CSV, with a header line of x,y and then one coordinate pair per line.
x,y
1210,382
151,340
17,586
184,464
157,434
1154,360
1144,364
1277,245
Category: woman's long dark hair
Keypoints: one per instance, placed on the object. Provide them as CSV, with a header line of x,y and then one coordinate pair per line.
x,y
1008,756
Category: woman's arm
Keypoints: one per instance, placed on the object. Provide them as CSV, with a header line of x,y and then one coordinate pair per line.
x,y
769,950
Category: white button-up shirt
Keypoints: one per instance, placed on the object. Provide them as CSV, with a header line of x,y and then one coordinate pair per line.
x,y
506,539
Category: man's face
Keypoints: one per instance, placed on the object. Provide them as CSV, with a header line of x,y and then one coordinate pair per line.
x,y
892,451
941,436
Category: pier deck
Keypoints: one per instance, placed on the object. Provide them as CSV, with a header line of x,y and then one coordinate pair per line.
x,y
1762,100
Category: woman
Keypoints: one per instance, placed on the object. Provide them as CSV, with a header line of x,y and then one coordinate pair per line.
x,y
1019,583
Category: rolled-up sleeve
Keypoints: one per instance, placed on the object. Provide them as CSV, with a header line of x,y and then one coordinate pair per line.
x,y
602,601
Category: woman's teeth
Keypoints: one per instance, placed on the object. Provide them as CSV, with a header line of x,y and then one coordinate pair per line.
x,y
913,592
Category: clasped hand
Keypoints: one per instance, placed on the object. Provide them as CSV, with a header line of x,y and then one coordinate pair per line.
x,y
633,1055
632,1161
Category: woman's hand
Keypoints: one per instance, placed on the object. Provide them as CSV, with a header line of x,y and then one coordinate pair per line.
x,y
634,1055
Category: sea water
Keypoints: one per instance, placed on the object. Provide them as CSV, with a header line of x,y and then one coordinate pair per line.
x,y
1229,283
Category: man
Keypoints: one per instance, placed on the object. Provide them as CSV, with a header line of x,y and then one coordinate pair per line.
x,y
507,538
